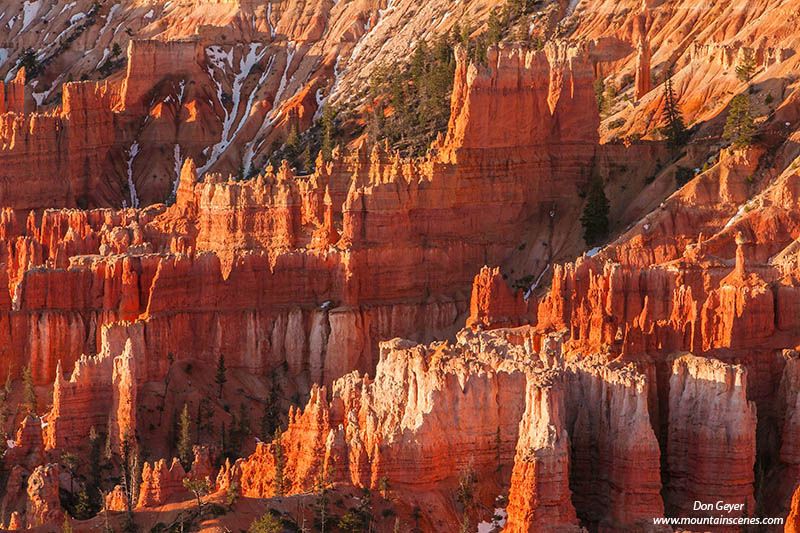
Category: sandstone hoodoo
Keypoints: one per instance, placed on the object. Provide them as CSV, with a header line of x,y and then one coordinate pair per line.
x,y
367,266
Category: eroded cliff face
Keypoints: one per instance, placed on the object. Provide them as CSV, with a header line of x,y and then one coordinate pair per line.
x,y
581,432
293,261
590,416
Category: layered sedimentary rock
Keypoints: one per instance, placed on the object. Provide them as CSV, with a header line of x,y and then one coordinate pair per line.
x,y
712,436
582,428
540,497
159,483
100,394
54,159
328,263
492,304
643,79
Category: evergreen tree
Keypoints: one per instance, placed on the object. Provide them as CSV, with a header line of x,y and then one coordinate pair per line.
x,y
328,132
746,67
29,394
595,213
495,30
321,487
83,509
221,377
306,160
292,144
279,482
675,129
270,421
198,487
266,524
185,438
69,461
244,420
739,126
600,95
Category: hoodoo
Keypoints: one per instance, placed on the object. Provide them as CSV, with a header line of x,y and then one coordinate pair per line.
x,y
392,267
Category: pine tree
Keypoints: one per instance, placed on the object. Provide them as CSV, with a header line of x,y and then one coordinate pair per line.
x,y
70,463
244,420
595,213
270,420
495,30
328,132
266,524
306,160
220,378
739,126
198,487
675,129
746,67
292,143
185,438
279,482
83,509
321,487
600,95
29,394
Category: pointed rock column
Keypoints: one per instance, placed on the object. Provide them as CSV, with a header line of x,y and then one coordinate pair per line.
x,y
539,498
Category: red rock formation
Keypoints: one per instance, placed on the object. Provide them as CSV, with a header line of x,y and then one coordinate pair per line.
x,y
493,305
116,500
712,436
28,448
15,522
540,498
643,80
394,427
201,465
793,521
44,506
56,160
159,483
100,394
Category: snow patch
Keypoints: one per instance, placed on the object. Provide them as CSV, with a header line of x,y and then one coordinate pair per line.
x,y
570,10
106,53
536,283
77,17
593,252
735,217
269,19
29,11
498,521
228,134
218,56
67,7
4,53
149,14
109,17
178,164
132,153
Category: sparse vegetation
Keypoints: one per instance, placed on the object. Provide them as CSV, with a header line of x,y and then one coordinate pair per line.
x,y
29,401
746,66
675,129
739,125
221,376
595,213
185,438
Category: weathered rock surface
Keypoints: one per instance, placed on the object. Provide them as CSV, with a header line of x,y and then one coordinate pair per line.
x,y
44,506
